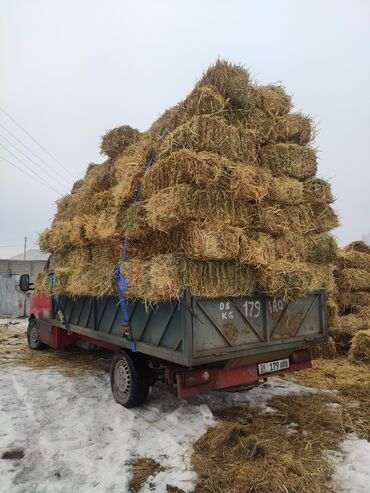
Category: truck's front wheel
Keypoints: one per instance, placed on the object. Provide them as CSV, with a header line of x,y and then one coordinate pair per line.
x,y
33,336
129,379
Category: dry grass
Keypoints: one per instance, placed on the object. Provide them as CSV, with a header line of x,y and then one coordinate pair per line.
x,y
256,249
353,280
353,260
360,347
289,159
358,246
115,141
141,470
345,328
212,134
249,183
317,191
355,301
201,169
177,205
286,451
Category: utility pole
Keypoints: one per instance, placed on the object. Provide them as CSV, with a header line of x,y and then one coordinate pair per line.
x,y
25,248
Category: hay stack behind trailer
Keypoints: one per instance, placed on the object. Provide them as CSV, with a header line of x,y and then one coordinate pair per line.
x,y
231,204
352,294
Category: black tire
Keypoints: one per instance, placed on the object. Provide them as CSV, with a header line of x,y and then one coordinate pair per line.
x,y
129,379
33,336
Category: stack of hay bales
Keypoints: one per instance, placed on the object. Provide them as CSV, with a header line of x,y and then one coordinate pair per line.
x,y
352,293
230,206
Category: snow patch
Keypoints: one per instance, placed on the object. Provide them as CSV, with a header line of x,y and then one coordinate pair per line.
x,y
352,470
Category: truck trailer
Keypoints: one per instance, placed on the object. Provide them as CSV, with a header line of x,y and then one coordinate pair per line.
x,y
195,344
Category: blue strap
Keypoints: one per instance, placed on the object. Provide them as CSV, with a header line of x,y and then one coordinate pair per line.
x,y
121,283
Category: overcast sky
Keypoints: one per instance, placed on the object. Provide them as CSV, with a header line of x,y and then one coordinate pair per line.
x,y
71,69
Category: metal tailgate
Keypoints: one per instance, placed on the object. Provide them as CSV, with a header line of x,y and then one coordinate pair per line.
x,y
251,325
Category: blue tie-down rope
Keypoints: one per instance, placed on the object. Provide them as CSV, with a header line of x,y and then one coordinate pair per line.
x,y
121,288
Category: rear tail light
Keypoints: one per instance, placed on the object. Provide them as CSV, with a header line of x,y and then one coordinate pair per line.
x,y
198,377
300,356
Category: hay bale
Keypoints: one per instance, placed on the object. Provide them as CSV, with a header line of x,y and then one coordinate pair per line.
x,y
128,183
360,347
45,240
76,186
202,169
249,183
271,220
233,82
41,283
176,205
98,177
321,249
325,350
355,301
115,141
353,280
168,275
317,191
333,311
256,249
353,260
212,240
358,246
134,221
289,159
286,280
345,329
295,128
273,100
286,191
212,134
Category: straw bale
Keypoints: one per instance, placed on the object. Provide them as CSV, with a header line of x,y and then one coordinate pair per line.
x,y
326,350
353,260
289,159
333,310
77,235
249,182
115,141
345,329
360,347
168,275
67,206
202,169
322,217
127,186
203,100
212,240
284,190
296,128
270,219
286,280
136,273
108,224
358,246
321,248
76,186
273,100
317,191
60,235
173,206
233,82
134,223
322,277
353,280
45,240
212,134
355,301
256,249
41,283
98,177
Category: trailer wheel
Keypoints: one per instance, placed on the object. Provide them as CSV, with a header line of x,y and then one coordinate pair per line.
x,y
33,336
129,379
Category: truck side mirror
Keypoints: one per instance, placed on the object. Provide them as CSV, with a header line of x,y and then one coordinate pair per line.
x,y
24,282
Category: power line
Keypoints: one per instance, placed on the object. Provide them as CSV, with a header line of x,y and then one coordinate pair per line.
x,y
38,143
31,151
26,166
28,174
32,161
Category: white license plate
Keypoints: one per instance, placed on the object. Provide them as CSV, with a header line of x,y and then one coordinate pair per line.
x,y
271,366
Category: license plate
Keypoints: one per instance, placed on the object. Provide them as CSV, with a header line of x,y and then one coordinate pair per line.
x,y
271,366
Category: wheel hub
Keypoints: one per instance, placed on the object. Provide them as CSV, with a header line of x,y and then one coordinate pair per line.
x,y
122,377
34,335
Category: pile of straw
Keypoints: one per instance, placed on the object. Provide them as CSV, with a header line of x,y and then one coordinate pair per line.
x,y
230,205
352,295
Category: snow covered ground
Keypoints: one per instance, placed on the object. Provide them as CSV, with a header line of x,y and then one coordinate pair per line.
x,y
70,436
